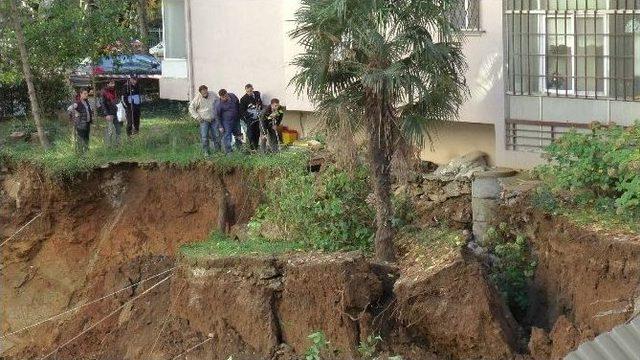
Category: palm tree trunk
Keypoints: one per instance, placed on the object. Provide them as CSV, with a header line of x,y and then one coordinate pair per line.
x,y
143,24
28,76
380,131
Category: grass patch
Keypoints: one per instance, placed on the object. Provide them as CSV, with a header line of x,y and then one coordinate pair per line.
x,y
600,214
430,247
220,245
599,220
167,135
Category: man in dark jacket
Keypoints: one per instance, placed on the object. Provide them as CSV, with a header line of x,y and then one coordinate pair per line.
x,y
110,112
271,119
250,110
82,116
228,112
132,100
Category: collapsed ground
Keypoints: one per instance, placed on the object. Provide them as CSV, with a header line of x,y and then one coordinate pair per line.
x,y
125,223
140,227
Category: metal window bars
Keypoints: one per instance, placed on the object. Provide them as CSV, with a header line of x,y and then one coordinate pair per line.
x,y
573,48
534,136
467,15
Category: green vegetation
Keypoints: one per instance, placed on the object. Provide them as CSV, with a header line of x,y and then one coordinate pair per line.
x,y
598,214
598,170
319,346
321,349
327,211
167,136
303,211
514,267
368,348
430,247
379,66
404,212
221,245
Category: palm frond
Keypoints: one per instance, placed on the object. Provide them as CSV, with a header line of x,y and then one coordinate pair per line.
x,y
404,51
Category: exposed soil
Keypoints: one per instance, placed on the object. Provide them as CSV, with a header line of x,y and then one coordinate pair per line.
x,y
121,224
103,231
586,281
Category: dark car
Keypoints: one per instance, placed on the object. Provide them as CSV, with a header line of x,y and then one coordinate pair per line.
x,y
137,64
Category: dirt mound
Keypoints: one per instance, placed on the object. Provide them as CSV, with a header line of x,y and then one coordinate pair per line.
x,y
232,299
593,280
457,312
253,306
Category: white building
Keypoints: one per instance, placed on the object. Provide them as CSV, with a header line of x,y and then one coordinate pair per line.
x,y
536,67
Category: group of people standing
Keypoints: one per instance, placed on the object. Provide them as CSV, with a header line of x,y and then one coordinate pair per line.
x,y
221,115
115,110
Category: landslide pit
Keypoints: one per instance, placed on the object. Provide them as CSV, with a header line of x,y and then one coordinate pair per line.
x,y
122,224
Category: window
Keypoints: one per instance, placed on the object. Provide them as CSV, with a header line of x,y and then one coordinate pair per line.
x,y
174,29
574,54
467,15
578,48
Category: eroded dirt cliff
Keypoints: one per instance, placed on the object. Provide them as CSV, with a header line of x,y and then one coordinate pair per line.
x,y
120,227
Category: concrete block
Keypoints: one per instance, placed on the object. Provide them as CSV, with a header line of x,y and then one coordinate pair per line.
x,y
484,209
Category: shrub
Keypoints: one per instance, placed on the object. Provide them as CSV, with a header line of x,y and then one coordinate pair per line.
x,y
514,267
404,210
319,346
604,163
368,348
544,199
327,211
53,93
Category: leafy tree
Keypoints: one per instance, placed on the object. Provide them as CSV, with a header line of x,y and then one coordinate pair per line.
x,y
16,22
143,23
59,35
396,68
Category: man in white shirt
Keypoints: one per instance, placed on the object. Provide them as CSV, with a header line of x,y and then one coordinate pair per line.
x,y
202,108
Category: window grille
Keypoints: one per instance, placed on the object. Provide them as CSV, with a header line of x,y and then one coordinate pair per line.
x,y
573,48
534,136
467,15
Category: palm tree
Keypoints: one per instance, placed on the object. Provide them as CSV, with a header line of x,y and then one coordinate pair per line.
x,y
397,68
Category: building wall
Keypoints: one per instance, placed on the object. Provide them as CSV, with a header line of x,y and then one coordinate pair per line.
x,y
255,47
454,139
174,88
174,83
581,111
252,48
484,56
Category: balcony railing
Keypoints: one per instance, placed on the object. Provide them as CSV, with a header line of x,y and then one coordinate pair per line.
x,y
534,136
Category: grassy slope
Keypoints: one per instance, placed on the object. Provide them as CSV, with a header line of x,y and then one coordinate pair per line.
x,y
221,245
167,135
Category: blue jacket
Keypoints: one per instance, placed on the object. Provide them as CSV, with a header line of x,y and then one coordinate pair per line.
x,y
228,111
